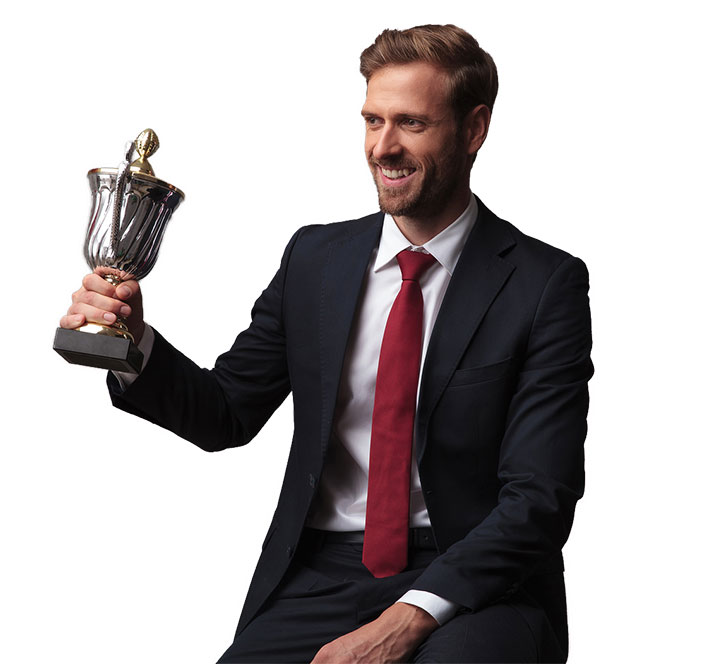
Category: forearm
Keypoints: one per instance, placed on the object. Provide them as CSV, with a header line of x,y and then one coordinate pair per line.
x,y
225,406
176,394
540,461
392,637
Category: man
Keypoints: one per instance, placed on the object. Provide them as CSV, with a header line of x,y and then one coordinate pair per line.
x,y
438,360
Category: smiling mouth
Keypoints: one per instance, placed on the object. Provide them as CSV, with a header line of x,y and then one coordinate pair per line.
x,y
394,177
396,174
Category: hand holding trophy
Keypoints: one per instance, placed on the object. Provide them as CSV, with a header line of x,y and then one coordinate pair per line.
x,y
129,215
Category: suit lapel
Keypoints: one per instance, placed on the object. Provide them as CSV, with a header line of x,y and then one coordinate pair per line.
x,y
479,276
342,279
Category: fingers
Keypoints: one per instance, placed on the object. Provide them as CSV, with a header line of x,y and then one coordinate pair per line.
x,y
94,304
92,313
98,301
72,321
95,283
128,290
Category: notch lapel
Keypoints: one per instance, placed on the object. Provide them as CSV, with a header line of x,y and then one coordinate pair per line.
x,y
478,278
342,279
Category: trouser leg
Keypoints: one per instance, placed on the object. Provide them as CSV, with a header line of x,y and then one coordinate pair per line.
x,y
307,611
515,630
325,594
328,593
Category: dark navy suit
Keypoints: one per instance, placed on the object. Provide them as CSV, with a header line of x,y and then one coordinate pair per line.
x,y
501,417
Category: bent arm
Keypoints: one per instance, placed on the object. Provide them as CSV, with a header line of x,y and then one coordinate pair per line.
x,y
225,406
541,456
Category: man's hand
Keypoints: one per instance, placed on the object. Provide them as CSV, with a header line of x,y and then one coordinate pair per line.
x,y
98,301
392,637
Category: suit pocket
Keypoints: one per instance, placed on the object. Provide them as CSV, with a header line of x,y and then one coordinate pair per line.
x,y
482,374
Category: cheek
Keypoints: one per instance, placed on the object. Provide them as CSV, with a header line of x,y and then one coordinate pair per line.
x,y
369,143
417,151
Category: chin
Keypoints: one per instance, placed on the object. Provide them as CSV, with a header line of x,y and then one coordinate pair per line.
x,y
398,204
397,207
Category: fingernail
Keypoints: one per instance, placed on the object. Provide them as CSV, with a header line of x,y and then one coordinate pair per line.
x,y
125,310
110,318
123,291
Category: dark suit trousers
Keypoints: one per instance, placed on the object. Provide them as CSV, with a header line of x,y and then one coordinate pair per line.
x,y
327,592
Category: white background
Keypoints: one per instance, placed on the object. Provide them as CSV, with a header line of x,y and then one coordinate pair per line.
x,y
122,543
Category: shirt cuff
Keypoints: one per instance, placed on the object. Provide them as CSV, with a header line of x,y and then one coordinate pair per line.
x,y
145,346
440,609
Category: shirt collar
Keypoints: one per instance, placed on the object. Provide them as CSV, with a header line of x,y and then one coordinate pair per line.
x,y
445,247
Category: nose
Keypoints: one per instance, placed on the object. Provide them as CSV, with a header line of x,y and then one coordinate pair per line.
x,y
385,143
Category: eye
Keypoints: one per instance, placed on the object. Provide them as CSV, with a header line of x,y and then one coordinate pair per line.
x,y
372,121
413,123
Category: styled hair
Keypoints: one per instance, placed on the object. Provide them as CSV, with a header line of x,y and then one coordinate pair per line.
x,y
472,75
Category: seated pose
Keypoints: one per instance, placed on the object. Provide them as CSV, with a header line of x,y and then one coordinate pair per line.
x,y
438,360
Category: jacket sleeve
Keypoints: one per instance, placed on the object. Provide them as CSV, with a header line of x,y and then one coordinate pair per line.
x,y
225,406
541,458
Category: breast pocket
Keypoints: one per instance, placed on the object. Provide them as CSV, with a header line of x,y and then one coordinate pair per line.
x,y
481,374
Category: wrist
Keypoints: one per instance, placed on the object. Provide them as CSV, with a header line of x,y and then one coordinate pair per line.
x,y
139,332
416,622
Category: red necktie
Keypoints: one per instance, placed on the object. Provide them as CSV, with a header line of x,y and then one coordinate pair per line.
x,y
392,429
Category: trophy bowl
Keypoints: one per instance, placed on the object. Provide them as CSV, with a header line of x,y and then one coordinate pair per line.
x,y
128,218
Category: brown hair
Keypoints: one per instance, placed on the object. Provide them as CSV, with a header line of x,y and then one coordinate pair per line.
x,y
472,75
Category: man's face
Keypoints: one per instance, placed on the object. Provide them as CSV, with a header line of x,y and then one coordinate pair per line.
x,y
413,144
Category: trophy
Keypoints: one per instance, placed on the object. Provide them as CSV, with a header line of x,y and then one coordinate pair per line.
x,y
129,215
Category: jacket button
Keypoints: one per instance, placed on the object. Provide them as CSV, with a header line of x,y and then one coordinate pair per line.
x,y
290,551
312,481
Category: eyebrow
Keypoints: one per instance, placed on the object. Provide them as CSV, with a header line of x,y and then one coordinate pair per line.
x,y
401,116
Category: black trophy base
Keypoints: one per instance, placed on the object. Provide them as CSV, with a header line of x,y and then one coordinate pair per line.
x,y
96,350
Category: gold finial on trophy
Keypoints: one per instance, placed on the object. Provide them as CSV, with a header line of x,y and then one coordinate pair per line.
x,y
146,145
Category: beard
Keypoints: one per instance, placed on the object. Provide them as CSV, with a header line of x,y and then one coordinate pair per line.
x,y
431,188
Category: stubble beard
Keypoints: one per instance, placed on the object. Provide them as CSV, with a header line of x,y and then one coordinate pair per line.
x,y
424,199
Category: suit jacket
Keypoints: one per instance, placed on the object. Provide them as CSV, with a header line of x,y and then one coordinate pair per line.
x,y
501,416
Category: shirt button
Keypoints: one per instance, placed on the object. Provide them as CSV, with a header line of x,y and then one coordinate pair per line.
x,y
312,481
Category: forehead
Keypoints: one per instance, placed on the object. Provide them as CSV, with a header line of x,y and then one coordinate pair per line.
x,y
417,87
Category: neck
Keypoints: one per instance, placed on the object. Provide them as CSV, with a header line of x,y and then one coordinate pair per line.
x,y
420,229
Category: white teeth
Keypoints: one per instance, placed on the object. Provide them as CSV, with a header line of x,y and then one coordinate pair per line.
x,y
394,174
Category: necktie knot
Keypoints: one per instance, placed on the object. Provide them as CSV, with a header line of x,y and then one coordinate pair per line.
x,y
413,264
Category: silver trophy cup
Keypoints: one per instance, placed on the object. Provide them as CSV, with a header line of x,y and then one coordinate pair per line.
x,y
129,215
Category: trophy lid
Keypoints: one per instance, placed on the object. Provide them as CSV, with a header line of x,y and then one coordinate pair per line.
x,y
146,144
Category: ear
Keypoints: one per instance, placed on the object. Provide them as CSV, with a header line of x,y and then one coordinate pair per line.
x,y
476,127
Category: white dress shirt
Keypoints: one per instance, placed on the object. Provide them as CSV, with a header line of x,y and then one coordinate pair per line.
x,y
341,500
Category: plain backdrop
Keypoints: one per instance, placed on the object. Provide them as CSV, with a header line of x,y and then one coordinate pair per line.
x,y
122,543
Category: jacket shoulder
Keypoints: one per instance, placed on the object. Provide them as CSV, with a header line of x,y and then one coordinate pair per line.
x,y
311,242
525,250
341,230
